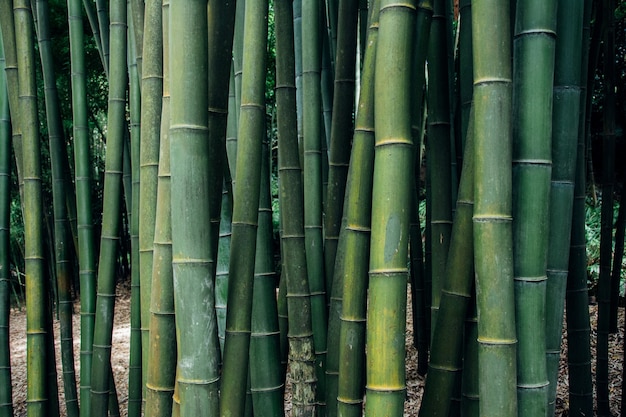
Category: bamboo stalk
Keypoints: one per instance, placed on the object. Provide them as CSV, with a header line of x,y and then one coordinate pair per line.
x,y
445,366
301,357
62,232
109,240
493,252
135,382
534,43
388,273
6,394
313,183
151,102
37,395
566,107
354,246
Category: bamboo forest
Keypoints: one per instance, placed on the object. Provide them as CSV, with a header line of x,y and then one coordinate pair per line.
x,y
312,208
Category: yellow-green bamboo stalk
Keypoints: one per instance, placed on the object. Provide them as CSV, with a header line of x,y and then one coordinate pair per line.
x,y
301,357
493,251
151,101
7,26
354,244
388,273
37,395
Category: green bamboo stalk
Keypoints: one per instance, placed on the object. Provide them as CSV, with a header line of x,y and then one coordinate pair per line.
x,y
221,23
327,79
312,172
341,132
151,102
566,107
340,143
162,350
92,17
533,73
266,380
198,347
245,211
421,295
301,358
577,297
6,394
606,223
134,365
438,151
446,359
7,26
116,126
82,170
354,241
297,36
137,12
231,124
103,26
465,62
388,273
62,232
493,252
37,395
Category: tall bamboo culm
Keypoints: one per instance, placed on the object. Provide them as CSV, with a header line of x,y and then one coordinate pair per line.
x,y
354,242
151,75
198,347
565,122
493,252
36,351
444,371
109,240
82,170
245,211
313,135
135,382
533,67
388,273
301,356
62,232
162,349
6,394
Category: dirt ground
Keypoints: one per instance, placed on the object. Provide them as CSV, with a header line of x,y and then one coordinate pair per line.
x,y
415,384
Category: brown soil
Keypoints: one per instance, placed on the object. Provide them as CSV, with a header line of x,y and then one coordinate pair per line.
x,y
415,384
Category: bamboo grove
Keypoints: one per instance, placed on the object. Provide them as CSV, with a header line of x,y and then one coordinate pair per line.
x,y
268,163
